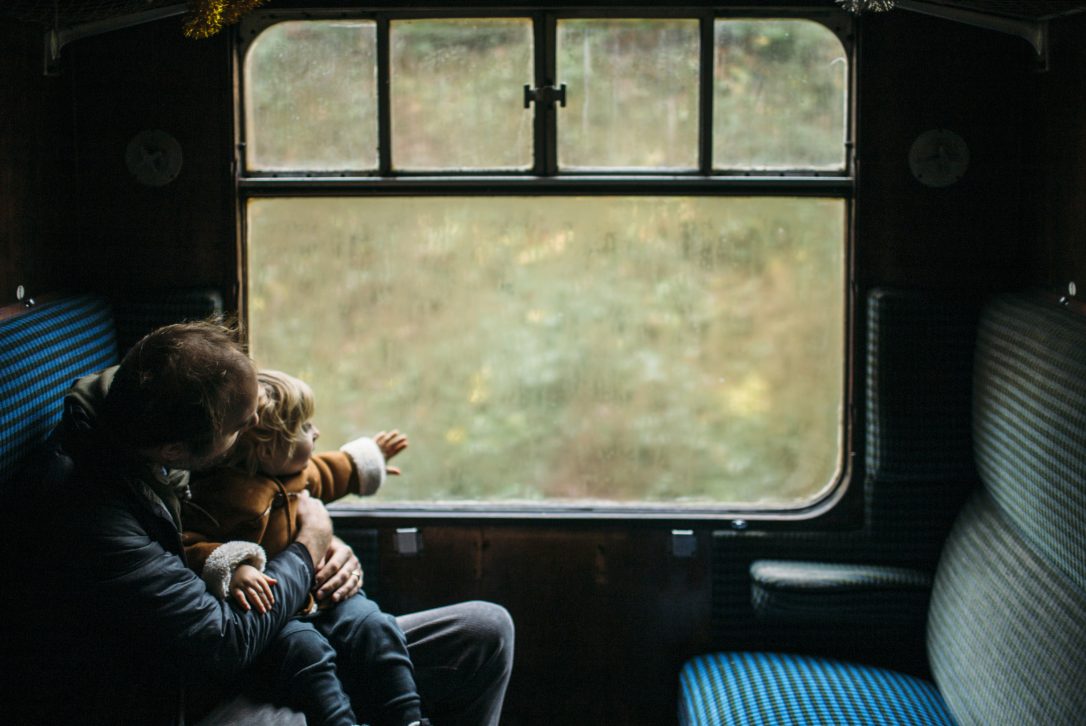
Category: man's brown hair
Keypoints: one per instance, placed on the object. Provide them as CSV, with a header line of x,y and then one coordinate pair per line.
x,y
176,384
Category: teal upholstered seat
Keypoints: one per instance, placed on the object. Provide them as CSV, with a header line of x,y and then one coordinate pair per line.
x,y
42,352
1006,627
765,689
45,348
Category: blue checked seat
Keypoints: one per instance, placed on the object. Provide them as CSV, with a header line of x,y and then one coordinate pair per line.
x,y
47,347
777,688
1006,627
43,350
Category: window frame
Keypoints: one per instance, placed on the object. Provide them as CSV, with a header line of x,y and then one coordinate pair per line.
x,y
837,502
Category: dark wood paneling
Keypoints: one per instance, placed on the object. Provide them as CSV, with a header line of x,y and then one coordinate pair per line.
x,y
180,234
918,73
1059,145
604,615
36,165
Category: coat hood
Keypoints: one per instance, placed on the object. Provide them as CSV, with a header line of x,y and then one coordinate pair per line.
x,y
85,438
83,401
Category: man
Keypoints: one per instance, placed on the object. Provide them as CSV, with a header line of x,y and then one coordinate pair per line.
x,y
116,628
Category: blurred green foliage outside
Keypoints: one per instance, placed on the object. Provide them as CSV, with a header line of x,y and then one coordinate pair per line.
x,y
628,349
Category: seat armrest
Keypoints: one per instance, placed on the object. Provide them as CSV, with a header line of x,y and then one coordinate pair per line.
x,y
831,593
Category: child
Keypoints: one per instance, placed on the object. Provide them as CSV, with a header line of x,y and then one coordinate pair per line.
x,y
243,512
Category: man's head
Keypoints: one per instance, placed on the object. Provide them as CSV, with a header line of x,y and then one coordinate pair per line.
x,y
182,395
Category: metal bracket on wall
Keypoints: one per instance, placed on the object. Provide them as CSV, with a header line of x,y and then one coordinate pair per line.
x,y
684,543
408,541
22,296
1033,30
57,37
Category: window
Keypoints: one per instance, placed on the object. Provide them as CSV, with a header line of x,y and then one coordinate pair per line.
x,y
327,120
456,94
582,261
633,94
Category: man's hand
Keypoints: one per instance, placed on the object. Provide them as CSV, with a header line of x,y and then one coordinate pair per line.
x,y
314,526
339,573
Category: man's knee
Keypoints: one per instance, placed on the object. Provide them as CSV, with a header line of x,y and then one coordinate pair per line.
x,y
494,622
489,628
465,638
464,659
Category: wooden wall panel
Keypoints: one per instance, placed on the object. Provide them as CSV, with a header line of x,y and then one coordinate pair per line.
x,y
1059,152
36,165
180,234
918,73
605,615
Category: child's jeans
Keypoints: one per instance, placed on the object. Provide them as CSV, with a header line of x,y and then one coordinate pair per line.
x,y
371,660
346,660
301,665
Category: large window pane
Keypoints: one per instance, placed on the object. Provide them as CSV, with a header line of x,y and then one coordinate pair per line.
x,y
458,94
619,349
632,94
311,97
779,90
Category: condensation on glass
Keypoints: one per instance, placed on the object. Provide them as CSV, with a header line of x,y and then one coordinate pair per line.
x,y
779,96
457,94
632,94
311,97
679,350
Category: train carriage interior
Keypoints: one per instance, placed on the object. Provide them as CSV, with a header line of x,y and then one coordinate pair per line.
x,y
741,345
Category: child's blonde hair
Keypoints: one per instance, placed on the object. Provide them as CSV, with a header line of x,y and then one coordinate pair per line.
x,y
286,403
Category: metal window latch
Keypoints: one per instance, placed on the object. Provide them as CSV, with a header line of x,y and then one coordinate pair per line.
x,y
545,95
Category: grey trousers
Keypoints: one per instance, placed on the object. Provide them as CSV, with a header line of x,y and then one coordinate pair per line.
x,y
463,658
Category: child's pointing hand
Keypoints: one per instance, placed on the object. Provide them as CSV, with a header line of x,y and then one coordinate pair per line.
x,y
391,443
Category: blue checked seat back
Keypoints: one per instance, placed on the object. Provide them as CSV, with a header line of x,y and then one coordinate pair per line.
x,y
43,350
1006,627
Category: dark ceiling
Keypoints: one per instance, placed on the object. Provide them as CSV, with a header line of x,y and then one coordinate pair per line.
x,y
1029,9
69,13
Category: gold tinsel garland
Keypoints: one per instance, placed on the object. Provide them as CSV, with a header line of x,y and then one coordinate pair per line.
x,y
208,17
